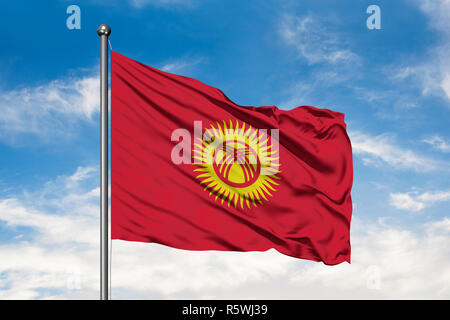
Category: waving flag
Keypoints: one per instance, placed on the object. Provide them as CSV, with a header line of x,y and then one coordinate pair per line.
x,y
192,170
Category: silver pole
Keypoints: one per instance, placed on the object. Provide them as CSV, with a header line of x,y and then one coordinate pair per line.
x,y
104,31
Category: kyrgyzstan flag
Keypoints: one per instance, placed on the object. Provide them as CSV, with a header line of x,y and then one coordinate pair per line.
x,y
190,169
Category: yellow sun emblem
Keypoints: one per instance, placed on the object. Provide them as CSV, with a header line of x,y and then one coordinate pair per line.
x,y
237,164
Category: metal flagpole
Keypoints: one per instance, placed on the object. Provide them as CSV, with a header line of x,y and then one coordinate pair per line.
x,y
104,31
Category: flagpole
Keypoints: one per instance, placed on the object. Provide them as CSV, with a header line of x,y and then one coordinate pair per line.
x,y
104,31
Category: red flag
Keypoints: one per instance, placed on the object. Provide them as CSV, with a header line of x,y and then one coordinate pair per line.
x,y
190,169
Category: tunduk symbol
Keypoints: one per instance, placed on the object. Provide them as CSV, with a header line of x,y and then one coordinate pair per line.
x,y
237,159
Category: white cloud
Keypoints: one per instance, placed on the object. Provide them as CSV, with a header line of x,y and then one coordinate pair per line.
x,y
414,201
405,201
48,109
388,263
62,255
181,65
54,228
82,173
378,150
314,41
72,209
429,77
445,84
439,11
432,197
313,91
439,227
60,236
438,143
433,74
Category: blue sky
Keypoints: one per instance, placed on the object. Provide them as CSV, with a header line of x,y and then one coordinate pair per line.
x,y
392,84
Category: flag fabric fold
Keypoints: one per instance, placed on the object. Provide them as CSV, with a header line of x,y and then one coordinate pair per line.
x,y
192,170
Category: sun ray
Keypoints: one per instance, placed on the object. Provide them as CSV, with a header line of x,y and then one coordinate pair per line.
x,y
214,189
263,187
268,185
210,185
243,129
220,192
236,196
247,202
220,128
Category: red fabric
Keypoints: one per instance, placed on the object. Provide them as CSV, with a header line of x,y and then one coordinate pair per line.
x,y
155,200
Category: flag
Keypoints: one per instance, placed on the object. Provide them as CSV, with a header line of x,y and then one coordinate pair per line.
x,y
191,169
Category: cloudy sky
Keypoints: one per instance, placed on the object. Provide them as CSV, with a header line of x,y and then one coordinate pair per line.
x,y
392,84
